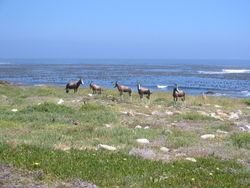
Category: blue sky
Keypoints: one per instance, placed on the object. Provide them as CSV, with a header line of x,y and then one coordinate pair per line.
x,y
162,29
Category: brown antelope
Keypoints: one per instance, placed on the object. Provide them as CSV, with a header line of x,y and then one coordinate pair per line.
x,y
178,93
73,85
122,89
95,88
143,91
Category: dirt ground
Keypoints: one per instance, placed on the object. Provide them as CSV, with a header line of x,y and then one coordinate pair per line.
x,y
11,177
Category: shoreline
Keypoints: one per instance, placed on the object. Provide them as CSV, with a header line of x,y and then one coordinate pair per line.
x,y
209,93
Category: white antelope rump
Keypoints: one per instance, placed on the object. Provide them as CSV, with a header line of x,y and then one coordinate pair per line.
x,y
73,85
95,88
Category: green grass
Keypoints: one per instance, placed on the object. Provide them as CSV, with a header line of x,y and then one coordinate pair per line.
x,y
49,113
89,107
223,127
162,101
178,138
241,140
48,107
247,102
115,169
34,131
193,116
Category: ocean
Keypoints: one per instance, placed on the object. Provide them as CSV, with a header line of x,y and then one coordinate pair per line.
x,y
225,78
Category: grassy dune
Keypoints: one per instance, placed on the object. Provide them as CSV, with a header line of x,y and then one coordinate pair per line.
x,y
62,140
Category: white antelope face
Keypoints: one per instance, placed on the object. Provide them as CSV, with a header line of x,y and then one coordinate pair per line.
x,y
139,85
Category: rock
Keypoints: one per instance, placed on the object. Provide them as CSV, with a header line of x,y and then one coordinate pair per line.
x,y
145,153
107,147
169,113
221,132
191,159
217,106
14,110
242,129
207,136
130,114
7,83
60,101
107,125
155,113
243,126
180,154
138,113
216,116
210,92
61,147
83,184
203,113
142,141
164,149
138,127
147,127
177,113
239,112
233,116
90,95
222,114
248,127
76,123
146,106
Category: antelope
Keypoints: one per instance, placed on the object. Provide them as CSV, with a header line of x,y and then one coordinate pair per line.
x,y
178,93
95,88
122,89
143,91
73,85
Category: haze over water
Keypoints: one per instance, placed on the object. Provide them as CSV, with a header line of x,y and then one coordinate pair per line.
x,y
226,78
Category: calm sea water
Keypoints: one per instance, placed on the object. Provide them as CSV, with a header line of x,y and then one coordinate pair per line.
x,y
226,78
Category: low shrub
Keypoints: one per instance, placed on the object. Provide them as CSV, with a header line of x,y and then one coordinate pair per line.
x,y
241,140
49,107
193,116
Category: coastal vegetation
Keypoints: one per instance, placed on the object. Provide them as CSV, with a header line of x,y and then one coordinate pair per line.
x,y
57,137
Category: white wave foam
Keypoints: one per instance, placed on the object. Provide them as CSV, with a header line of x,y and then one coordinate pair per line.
x,y
39,85
209,72
236,70
246,93
161,86
226,71
220,95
